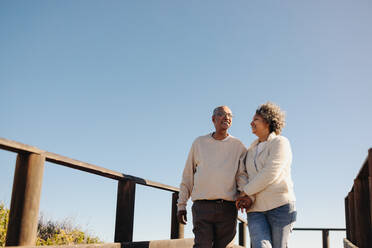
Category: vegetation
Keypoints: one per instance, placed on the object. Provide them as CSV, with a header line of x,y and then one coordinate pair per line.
x,y
4,217
50,232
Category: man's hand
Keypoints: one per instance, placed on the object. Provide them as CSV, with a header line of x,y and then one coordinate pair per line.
x,y
182,216
243,202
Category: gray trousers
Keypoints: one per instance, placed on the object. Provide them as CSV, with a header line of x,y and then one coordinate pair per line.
x,y
214,223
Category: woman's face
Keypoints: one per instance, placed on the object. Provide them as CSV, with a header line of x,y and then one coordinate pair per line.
x,y
259,126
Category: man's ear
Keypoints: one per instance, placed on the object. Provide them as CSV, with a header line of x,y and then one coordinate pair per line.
x,y
213,118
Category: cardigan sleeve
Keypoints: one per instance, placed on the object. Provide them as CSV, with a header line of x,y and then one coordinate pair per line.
x,y
279,156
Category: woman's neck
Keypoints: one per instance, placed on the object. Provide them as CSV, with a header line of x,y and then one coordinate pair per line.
x,y
263,137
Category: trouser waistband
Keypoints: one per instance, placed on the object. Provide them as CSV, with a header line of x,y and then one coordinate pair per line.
x,y
216,201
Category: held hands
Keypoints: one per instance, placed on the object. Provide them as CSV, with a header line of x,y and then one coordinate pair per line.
x,y
243,203
182,216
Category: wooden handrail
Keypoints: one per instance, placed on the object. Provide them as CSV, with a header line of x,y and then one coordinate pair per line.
x,y
241,219
17,147
325,233
94,169
126,190
318,229
31,158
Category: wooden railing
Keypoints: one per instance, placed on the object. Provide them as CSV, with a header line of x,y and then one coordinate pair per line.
x,y
358,207
28,177
325,233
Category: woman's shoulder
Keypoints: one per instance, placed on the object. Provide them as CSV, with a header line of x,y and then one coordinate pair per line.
x,y
279,137
279,140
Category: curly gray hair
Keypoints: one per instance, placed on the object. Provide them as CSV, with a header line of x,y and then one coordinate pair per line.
x,y
273,115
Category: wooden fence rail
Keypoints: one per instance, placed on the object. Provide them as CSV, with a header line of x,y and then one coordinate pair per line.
x,y
27,183
325,233
358,207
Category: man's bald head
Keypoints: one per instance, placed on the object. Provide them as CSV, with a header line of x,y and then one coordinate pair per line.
x,y
220,109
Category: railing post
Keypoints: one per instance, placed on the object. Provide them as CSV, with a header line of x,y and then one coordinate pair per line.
x,y
24,207
351,210
177,229
370,186
362,215
125,211
347,218
243,234
325,237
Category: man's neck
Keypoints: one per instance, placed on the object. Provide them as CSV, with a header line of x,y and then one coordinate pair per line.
x,y
220,135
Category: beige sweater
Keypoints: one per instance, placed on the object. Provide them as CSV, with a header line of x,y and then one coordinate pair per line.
x,y
268,179
211,169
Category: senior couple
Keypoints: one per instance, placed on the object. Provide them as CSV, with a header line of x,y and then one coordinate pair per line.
x,y
222,176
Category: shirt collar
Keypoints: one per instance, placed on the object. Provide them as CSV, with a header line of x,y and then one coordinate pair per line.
x,y
271,136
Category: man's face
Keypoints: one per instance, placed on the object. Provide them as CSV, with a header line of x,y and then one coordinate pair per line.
x,y
222,119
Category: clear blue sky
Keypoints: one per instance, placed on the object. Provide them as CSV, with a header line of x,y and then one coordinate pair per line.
x,y
128,85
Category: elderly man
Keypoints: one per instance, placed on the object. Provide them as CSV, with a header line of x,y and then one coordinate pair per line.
x,y
209,178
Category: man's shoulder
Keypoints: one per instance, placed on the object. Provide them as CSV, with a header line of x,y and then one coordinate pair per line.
x,y
203,137
236,140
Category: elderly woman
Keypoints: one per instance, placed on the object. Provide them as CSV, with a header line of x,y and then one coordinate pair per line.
x,y
264,180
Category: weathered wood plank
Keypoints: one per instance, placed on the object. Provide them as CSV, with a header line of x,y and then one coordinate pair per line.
x,y
94,169
241,219
318,229
362,215
24,207
151,183
325,238
177,229
370,162
79,165
18,147
347,220
348,244
351,227
105,245
243,234
370,184
370,201
173,243
125,211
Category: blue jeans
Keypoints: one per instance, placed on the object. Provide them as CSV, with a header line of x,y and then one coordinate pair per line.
x,y
271,229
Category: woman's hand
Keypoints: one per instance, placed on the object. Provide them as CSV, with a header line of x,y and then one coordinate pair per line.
x,y
243,202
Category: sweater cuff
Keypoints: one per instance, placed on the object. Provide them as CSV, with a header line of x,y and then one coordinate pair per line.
x,y
181,207
242,194
245,190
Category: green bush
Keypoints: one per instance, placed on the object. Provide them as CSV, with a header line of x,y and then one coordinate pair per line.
x,y
50,232
4,217
61,233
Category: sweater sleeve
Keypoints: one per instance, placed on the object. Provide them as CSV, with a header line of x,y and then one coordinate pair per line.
x,y
242,175
279,156
187,182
